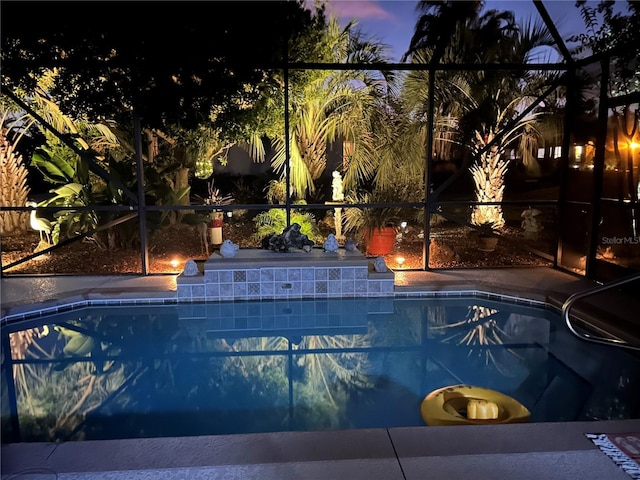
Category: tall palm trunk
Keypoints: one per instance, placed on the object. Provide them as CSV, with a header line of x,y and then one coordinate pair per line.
x,y
488,175
14,189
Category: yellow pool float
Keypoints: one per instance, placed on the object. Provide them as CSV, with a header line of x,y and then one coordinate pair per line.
x,y
469,405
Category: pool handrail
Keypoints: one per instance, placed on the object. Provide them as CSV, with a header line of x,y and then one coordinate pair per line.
x,y
566,307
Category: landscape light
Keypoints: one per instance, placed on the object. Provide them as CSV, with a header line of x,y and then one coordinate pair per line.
x,y
577,150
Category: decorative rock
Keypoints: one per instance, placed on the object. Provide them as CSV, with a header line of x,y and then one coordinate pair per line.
x,y
190,269
350,245
379,265
331,244
289,238
228,249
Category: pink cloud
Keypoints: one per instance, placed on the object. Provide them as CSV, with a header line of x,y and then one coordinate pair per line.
x,y
360,9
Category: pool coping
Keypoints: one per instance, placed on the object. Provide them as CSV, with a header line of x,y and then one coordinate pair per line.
x,y
22,294
74,302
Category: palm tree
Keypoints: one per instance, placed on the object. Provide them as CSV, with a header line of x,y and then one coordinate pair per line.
x,y
13,169
478,106
434,28
336,105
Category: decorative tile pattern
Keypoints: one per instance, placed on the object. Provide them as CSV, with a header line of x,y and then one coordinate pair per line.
x,y
293,280
321,287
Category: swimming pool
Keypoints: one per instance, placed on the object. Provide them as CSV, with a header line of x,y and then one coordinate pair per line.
x,y
183,369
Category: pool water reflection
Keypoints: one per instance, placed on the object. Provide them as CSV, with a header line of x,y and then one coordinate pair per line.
x,y
294,365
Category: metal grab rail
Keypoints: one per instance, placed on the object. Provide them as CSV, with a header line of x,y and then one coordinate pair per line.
x,y
566,306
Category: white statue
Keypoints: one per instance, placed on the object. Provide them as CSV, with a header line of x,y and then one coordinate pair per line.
x,y
331,244
337,196
336,184
530,224
190,269
351,245
228,249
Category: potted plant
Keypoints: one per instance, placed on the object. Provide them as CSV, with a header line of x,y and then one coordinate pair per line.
x,y
486,235
374,226
213,219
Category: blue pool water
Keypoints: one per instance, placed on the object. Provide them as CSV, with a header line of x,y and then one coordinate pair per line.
x,y
132,371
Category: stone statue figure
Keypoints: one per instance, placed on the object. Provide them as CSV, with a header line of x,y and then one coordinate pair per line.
x,y
336,184
331,244
337,196
228,249
190,269
379,265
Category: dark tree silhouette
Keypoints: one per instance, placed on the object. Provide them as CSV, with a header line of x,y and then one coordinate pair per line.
x,y
174,62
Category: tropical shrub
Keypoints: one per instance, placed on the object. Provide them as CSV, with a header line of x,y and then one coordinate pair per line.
x,y
274,221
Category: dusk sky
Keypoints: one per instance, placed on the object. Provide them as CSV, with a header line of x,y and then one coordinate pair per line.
x,y
393,21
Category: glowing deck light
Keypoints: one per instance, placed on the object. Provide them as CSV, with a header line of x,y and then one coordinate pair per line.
x,y
175,262
400,260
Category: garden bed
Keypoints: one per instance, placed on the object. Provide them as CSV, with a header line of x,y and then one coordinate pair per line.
x,y
456,249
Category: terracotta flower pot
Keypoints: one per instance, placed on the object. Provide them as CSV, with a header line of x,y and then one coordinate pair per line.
x,y
381,241
487,243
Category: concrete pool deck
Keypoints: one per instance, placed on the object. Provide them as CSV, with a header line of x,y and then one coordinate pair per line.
x,y
538,283
525,451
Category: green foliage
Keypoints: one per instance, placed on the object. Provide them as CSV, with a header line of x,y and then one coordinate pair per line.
x,y
54,164
274,221
71,223
276,192
360,220
397,189
327,106
615,34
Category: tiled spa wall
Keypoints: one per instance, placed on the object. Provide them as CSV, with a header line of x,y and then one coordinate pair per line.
x,y
290,282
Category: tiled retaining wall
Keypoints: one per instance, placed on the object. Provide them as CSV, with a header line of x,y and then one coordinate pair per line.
x,y
255,274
